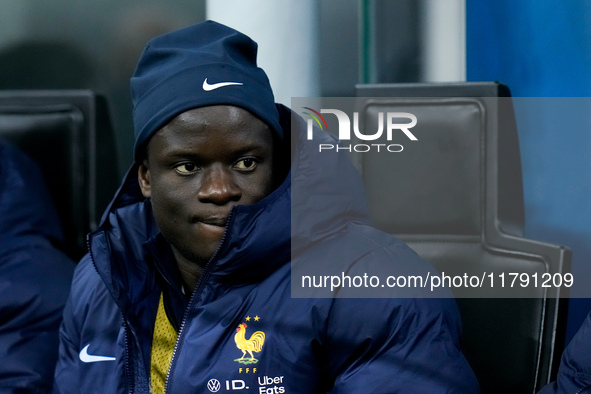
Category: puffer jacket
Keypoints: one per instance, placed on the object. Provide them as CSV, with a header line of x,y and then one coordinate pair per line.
x,y
574,373
311,345
34,276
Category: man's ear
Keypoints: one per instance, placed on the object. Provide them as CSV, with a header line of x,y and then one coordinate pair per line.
x,y
143,175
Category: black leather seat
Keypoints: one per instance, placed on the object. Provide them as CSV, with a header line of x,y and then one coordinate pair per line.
x,y
455,196
68,133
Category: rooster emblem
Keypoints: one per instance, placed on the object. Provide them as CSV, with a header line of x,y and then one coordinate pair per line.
x,y
254,344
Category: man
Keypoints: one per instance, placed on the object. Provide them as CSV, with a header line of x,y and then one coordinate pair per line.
x,y
34,276
574,374
186,287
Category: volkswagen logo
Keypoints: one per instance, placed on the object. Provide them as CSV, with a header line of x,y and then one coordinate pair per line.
x,y
214,385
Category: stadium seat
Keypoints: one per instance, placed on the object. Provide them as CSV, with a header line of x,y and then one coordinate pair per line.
x,y
455,196
68,133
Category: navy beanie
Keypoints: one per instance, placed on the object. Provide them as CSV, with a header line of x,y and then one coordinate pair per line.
x,y
200,65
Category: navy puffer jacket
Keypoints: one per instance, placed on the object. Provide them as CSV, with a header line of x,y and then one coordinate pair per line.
x,y
574,374
34,276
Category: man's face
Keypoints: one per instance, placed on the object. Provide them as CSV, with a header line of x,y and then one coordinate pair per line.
x,y
201,164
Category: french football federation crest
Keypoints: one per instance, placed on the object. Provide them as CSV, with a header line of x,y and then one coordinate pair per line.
x,y
254,344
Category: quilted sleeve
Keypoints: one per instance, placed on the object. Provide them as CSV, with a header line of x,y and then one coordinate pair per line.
x,y
397,346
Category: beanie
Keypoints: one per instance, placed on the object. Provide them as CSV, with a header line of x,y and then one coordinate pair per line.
x,y
200,65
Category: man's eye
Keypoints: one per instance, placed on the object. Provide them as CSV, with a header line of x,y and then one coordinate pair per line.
x,y
186,168
246,164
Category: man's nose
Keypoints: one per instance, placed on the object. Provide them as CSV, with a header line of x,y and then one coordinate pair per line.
x,y
218,187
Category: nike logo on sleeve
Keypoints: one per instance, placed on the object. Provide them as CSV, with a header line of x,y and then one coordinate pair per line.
x,y
92,358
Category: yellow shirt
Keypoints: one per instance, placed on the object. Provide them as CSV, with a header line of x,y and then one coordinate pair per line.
x,y
162,348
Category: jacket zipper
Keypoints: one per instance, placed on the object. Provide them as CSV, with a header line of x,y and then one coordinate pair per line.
x,y
130,381
198,290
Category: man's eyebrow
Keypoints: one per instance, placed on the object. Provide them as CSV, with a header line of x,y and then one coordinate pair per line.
x,y
181,152
248,148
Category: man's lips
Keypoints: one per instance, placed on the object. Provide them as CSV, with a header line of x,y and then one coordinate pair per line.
x,y
214,221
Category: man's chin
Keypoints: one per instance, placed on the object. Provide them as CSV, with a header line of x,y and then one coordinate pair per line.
x,y
201,256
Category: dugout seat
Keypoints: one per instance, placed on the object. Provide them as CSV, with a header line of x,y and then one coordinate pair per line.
x,y
455,196
68,133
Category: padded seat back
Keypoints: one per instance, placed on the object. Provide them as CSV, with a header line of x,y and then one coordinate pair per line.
x,y
68,133
455,196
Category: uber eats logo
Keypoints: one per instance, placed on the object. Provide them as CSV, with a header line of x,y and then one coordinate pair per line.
x,y
390,122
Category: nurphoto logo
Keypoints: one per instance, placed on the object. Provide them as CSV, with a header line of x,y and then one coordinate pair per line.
x,y
392,124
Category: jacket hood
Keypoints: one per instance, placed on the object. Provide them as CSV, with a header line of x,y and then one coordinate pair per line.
x,y
320,195
26,208
327,191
